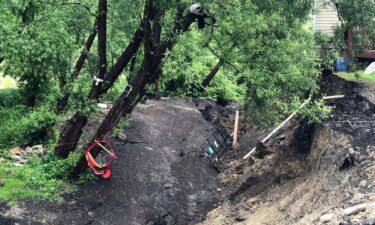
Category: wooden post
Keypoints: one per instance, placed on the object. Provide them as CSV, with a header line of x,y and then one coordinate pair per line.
x,y
235,132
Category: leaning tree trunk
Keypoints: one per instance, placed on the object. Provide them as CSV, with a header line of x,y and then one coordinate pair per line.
x,y
149,73
70,136
72,130
124,106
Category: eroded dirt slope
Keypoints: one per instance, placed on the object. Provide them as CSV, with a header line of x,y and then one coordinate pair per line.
x,y
159,177
308,171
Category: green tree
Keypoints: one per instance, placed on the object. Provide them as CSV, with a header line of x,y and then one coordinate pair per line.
x,y
39,41
357,23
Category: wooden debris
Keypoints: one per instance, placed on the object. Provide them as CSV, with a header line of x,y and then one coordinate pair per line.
x,y
235,132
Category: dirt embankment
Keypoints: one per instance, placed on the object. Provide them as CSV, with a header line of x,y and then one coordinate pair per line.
x,y
309,170
159,178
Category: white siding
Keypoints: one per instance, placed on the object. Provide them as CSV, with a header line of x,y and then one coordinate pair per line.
x,y
325,19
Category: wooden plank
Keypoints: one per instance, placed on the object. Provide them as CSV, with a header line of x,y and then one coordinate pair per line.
x,y
235,132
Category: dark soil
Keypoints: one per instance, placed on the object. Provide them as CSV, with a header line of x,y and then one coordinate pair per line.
x,y
354,114
306,170
159,178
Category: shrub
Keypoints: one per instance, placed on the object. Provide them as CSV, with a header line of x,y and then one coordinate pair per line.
x,y
21,127
10,97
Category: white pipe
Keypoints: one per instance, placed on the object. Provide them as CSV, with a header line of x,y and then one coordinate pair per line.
x,y
288,119
333,97
278,128
347,212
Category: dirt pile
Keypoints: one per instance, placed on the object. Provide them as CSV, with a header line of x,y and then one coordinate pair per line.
x,y
159,178
308,171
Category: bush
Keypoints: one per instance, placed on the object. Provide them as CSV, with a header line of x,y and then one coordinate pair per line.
x,y
328,54
21,127
10,97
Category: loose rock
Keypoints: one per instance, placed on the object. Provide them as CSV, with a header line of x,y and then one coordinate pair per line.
x,y
122,136
38,149
363,183
241,215
17,151
368,222
252,200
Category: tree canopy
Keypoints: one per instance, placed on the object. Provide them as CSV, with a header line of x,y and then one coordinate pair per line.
x,y
67,56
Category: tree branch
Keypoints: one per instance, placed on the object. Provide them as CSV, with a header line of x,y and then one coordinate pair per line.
x,y
213,73
102,49
62,102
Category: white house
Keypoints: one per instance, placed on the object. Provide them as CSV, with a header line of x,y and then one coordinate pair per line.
x,y
325,18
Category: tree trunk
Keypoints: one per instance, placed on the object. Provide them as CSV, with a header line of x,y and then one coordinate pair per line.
x,y
149,73
62,102
213,73
75,128
102,50
132,66
70,135
124,106
349,43
123,61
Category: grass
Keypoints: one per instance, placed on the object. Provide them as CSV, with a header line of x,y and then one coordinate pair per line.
x,y
358,75
40,178
17,184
